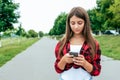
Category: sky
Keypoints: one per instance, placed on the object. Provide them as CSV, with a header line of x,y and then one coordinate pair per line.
x,y
40,15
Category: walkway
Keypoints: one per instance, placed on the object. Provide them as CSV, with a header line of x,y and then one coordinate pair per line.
x,y
110,69
37,63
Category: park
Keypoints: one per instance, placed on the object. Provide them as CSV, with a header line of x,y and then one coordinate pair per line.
x,y
29,55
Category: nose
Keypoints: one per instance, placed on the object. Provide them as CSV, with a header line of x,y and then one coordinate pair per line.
x,y
76,25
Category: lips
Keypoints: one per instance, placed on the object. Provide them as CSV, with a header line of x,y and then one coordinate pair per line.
x,y
77,30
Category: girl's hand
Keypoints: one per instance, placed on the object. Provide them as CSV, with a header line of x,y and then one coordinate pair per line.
x,y
80,60
67,58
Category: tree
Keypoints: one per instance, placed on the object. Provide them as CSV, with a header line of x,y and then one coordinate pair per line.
x,y
32,33
115,9
96,20
103,9
59,25
21,31
100,16
8,14
41,34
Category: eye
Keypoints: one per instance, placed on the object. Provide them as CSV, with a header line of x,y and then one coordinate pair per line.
x,y
72,23
80,22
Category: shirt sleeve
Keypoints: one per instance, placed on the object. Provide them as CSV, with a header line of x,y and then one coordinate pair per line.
x,y
96,62
58,70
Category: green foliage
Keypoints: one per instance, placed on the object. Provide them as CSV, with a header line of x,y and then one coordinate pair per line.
x,y
59,25
8,14
115,9
7,33
105,16
21,31
41,34
103,5
95,19
32,33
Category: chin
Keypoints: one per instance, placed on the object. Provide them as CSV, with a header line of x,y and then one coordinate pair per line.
x,y
77,33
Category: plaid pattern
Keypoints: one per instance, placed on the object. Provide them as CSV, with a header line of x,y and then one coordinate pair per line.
x,y
84,51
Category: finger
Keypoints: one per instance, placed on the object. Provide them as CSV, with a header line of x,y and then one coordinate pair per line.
x,y
68,55
78,58
78,63
81,56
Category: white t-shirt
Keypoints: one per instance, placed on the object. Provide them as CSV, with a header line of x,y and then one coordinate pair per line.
x,y
75,48
75,74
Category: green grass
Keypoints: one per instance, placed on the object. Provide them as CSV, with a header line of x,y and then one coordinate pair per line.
x,y
13,46
110,46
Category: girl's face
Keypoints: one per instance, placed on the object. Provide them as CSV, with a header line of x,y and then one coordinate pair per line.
x,y
76,24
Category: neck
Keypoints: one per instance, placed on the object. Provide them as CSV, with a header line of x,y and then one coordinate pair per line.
x,y
78,36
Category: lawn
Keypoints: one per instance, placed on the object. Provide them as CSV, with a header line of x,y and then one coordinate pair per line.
x,y
13,46
110,46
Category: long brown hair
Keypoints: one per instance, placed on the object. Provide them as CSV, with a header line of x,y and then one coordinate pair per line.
x,y
80,13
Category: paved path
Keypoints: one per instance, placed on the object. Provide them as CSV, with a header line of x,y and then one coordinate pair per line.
x,y
37,63
110,69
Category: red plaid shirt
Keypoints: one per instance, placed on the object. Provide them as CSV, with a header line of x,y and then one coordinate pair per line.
x,y
84,51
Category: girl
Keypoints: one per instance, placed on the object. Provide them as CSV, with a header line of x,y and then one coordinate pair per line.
x,y
78,39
